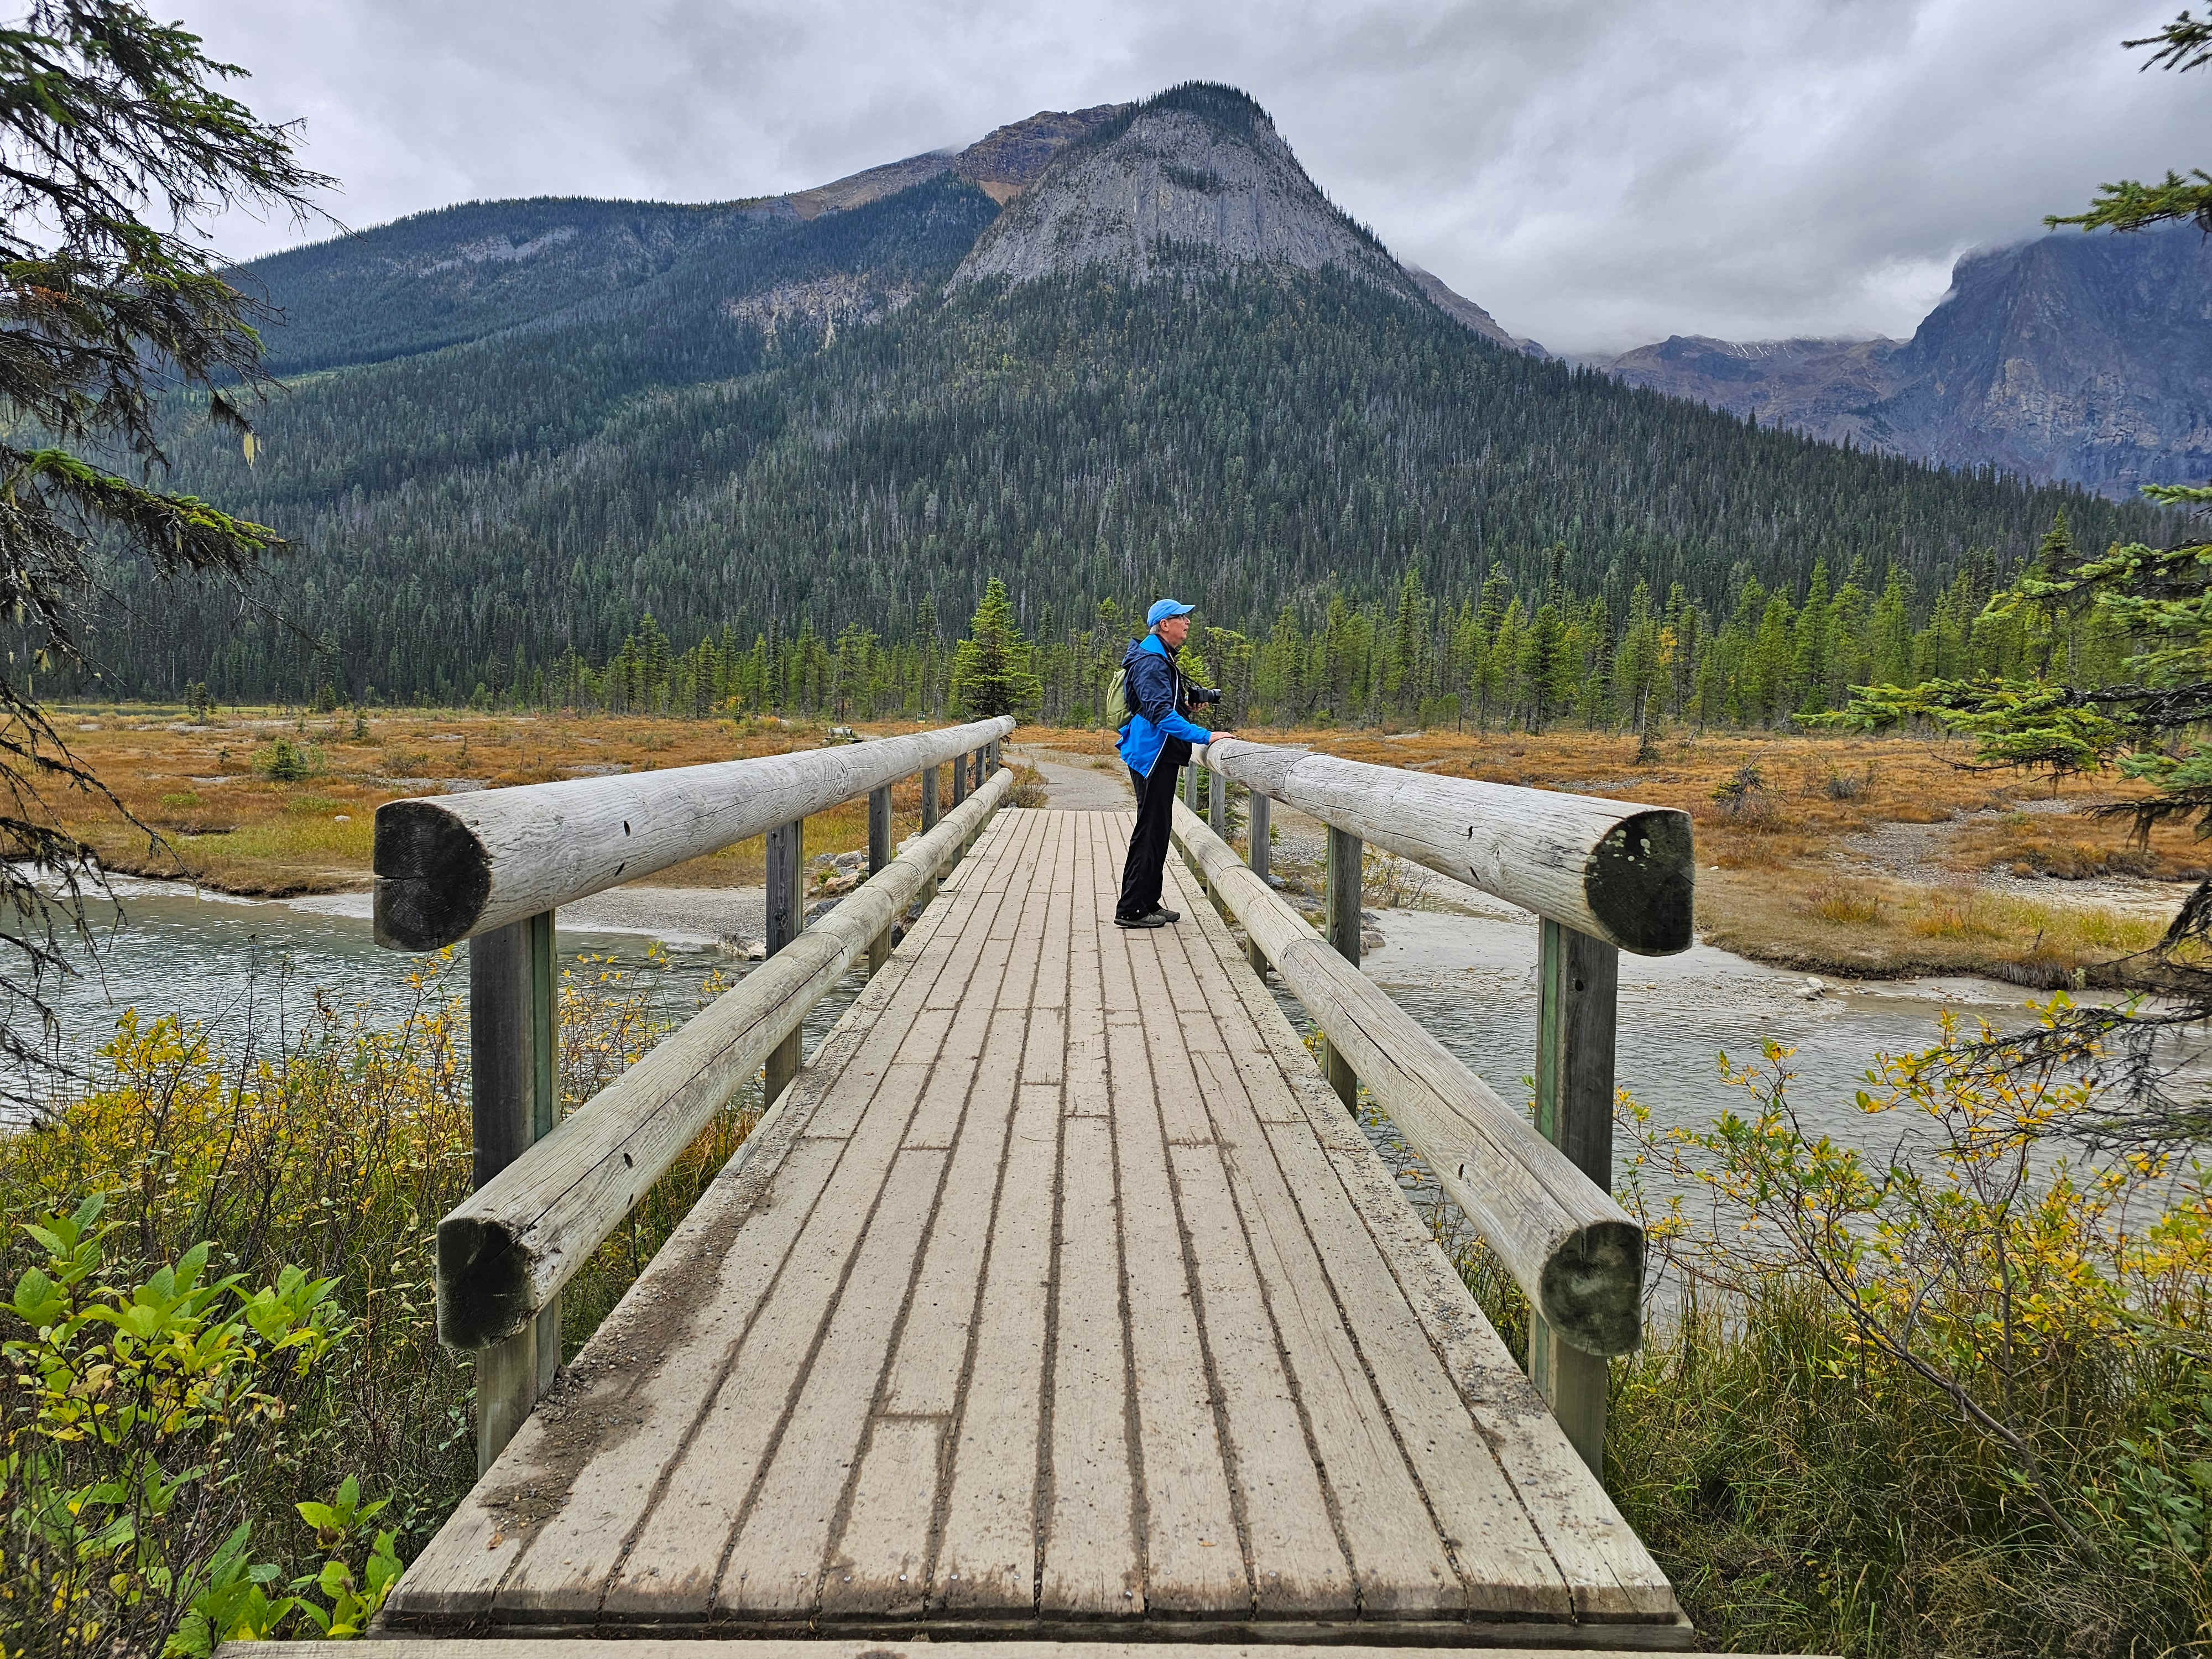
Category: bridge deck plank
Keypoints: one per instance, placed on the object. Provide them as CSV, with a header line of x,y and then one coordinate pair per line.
x,y
1058,1295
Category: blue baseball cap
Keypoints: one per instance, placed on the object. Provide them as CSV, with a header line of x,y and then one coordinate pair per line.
x,y
1163,609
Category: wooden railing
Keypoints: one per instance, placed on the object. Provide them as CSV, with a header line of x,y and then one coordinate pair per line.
x,y
1603,876
492,867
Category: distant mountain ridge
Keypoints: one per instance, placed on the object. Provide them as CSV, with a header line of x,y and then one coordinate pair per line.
x,y
2082,359
1164,363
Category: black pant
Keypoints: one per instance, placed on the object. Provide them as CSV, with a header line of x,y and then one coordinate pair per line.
x,y
1145,869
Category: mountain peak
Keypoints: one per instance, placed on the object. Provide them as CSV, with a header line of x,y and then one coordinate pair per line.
x,y
1197,172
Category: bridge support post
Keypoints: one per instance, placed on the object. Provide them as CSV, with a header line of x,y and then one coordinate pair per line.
x,y
959,794
880,855
514,1097
1257,851
786,865
1190,788
1577,982
930,780
1345,851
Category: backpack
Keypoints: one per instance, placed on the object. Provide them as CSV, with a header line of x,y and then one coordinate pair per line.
x,y
1118,712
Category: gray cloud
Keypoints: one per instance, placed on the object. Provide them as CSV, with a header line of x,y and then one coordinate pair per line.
x,y
1597,175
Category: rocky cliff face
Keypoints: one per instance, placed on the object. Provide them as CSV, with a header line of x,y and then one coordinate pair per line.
x,y
1002,164
1196,173
2086,359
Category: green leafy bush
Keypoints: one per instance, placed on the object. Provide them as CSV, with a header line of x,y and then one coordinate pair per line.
x,y
135,1412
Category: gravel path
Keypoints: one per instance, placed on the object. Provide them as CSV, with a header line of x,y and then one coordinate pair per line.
x,y
1072,784
1913,853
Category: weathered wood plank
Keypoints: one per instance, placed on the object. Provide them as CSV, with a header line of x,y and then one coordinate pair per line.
x,y
672,1568
777,1562
1576,1252
1298,1562
644,1397
826,1647
1620,872
1501,1556
1194,1557
1397,1558
1607,1571
986,1559
1092,1561
457,865
504,1253
881,1564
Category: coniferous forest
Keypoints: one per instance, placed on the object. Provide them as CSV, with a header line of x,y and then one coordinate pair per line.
x,y
670,499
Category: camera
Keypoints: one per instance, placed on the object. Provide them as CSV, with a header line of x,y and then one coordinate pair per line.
x,y
1204,694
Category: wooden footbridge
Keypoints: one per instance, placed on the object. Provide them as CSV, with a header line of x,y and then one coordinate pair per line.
x,y
1056,1299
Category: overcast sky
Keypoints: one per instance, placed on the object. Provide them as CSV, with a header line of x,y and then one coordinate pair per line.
x,y
1597,175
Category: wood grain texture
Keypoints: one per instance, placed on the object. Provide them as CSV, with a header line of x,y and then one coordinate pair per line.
x,y
454,865
1056,1296
1623,873
506,1251
1574,1251
1577,980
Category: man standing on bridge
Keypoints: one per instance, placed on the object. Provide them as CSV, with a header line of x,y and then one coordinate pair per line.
x,y
1156,744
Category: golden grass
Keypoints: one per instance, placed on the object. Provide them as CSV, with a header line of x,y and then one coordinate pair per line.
x,y
1769,885
217,820
1773,875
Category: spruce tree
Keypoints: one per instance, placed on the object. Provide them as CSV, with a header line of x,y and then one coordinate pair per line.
x,y
992,670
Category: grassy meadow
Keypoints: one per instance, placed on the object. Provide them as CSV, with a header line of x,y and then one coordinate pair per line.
x,y
1859,857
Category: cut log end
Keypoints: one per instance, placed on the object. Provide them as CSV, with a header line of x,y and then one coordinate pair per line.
x,y
483,1293
1641,883
433,877
1592,1288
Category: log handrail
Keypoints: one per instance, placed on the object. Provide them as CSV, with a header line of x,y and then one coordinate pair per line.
x,y
505,1253
1618,872
451,866
1576,1253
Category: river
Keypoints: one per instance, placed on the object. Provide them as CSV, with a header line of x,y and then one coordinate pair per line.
x,y
1468,978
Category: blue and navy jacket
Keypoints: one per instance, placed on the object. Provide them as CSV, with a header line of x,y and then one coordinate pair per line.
x,y
1155,692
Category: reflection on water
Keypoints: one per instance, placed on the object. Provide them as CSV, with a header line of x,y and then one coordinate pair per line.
x,y
254,966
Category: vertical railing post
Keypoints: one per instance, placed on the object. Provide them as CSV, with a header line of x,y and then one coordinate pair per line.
x,y
1577,980
959,779
786,863
930,778
880,855
1256,852
1217,804
1345,851
514,1097
1190,786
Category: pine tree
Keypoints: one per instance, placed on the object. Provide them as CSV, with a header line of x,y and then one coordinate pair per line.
x,y
991,668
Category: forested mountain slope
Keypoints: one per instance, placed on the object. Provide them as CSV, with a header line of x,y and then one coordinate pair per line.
x,y
796,420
